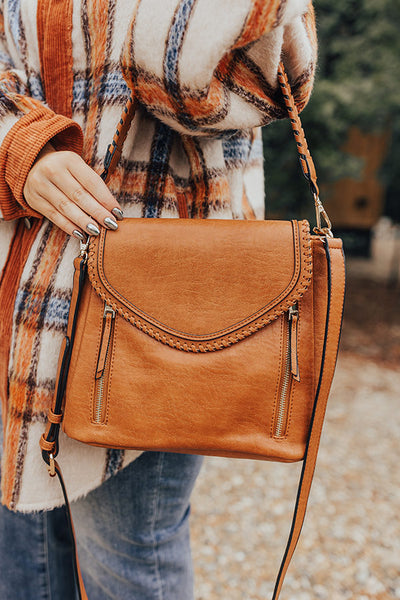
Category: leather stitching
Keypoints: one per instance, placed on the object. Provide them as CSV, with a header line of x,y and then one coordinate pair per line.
x,y
278,380
93,392
204,343
103,283
111,349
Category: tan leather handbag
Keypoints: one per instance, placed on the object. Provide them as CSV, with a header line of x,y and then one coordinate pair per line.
x,y
204,336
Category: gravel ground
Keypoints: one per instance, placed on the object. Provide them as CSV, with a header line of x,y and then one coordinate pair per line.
x,y
350,545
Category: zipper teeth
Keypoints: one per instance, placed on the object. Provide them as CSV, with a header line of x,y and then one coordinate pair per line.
x,y
99,400
284,391
100,384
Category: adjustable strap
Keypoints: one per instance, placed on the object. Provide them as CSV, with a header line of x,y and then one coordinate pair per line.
x,y
114,150
334,311
49,441
335,271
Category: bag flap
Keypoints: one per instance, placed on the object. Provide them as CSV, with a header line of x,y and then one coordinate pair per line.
x,y
201,285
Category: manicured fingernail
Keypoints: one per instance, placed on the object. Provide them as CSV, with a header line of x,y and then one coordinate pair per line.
x,y
78,235
110,223
92,229
118,214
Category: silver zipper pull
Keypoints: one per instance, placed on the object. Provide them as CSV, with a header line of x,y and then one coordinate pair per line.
x,y
83,248
293,317
108,310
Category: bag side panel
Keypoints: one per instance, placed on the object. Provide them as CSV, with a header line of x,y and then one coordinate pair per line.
x,y
320,292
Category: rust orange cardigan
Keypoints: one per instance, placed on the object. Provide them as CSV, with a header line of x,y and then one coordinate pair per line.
x,y
21,147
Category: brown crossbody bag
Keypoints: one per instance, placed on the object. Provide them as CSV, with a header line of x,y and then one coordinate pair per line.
x,y
209,337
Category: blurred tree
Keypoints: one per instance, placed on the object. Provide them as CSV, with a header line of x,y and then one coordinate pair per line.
x,y
391,174
358,85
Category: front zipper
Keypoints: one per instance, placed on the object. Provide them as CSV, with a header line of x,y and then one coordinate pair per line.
x,y
290,369
293,317
103,363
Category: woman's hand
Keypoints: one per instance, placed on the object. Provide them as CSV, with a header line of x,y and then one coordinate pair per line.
x,y
63,188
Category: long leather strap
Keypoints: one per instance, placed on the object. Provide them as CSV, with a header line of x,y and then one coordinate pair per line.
x,y
335,276
49,440
80,586
334,313
114,150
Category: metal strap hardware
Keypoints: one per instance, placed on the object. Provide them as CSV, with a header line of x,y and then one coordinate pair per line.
x,y
49,441
114,150
306,161
321,212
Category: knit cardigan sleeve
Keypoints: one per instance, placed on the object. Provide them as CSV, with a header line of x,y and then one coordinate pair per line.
x,y
26,125
205,67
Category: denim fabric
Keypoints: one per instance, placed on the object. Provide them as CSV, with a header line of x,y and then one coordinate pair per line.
x,y
35,556
133,538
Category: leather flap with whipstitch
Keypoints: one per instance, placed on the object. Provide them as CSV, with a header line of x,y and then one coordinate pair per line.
x,y
166,276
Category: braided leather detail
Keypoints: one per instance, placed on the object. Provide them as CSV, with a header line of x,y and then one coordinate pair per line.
x,y
203,343
114,150
47,446
54,417
306,161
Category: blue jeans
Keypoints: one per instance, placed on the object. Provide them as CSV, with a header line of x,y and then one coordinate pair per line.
x,y
133,538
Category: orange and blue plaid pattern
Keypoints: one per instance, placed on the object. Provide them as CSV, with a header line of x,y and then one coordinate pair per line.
x,y
204,74
242,72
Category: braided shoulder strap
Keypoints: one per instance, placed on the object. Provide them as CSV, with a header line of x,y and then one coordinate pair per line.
x,y
335,273
306,161
114,150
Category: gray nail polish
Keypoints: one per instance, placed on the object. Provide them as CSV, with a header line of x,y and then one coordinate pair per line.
x,y
110,223
118,214
78,235
92,229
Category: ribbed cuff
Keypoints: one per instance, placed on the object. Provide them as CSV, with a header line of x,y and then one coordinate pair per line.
x,y
20,149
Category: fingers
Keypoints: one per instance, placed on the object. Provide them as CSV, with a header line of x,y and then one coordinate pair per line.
x,y
63,188
67,212
76,203
91,182
52,214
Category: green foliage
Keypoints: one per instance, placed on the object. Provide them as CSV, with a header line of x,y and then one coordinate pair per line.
x,y
391,174
357,83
